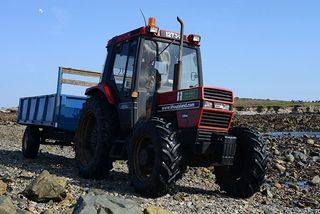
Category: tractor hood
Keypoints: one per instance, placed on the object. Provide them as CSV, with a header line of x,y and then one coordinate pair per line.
x,y
200,107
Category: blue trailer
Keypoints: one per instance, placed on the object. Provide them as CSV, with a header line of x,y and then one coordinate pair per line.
x,y
53,118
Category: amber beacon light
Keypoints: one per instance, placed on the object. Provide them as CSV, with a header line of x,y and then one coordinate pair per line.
x,y
152,25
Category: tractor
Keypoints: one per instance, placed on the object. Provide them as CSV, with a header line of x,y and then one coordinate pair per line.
x,y
152,109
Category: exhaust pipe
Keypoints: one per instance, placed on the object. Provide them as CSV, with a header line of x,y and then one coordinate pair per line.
x,y
178,66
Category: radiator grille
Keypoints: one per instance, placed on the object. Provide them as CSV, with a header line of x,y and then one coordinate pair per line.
x,y
204,135
216,94
215,119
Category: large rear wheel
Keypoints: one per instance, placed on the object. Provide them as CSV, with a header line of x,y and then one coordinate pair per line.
x,y
153,158
93,138
247,174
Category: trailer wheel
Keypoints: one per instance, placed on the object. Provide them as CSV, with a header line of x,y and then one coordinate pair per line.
x,y
153,158
247,174
93,137
30,142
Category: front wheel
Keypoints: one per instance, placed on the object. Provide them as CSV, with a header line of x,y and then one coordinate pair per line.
x,y
247,174
153,158
30,142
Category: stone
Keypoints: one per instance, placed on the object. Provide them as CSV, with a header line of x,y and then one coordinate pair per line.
x,y
156,210
290,158
300,155
6,206
310,141
278,185
300,164
276,152
19,211
3,187
105,204
281,168
267,192
267,210
315,180
46,187
315,159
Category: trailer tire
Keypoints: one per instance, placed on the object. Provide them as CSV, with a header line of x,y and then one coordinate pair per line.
x,y
30,142
153,158
247,174
94,135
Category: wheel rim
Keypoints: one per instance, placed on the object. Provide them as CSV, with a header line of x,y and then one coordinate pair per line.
x,y
144,158
88,140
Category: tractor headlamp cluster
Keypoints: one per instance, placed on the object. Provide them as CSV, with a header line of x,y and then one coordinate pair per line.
x,y
194,38
216,105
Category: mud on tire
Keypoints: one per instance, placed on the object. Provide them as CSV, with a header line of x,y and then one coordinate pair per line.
x,y
153,158
247,174
93,137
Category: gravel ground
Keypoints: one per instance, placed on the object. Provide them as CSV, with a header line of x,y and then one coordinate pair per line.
x,y
288,188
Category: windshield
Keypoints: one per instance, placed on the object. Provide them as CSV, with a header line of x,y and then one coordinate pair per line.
x,y
157,66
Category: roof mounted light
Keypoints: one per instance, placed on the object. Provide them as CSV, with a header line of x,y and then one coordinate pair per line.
x,y
151,21
194,38
152,28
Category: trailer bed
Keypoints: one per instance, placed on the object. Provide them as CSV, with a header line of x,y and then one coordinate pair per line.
x,y
43,111
58,111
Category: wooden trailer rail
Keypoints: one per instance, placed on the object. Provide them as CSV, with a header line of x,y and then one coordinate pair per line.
x,y
76,72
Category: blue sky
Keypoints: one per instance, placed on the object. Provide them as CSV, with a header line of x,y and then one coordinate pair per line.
x,y
259,49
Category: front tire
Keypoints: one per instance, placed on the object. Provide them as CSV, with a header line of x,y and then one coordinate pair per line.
x,y
153,158
247,174
93,138
30,142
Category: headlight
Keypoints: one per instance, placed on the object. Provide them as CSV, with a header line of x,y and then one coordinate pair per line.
x,y
207,104
222,106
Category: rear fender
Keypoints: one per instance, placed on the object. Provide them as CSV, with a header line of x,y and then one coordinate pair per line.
x,y
104,89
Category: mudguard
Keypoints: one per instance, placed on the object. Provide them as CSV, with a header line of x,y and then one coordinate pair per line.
x,y
102,88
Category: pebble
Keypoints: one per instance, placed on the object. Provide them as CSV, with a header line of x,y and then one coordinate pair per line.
x,y
315,180
281,168
310,141
290,158
278,186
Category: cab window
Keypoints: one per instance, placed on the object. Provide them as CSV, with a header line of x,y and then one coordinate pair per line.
x,y
123,66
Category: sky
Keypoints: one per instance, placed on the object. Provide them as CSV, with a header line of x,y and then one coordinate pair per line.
x,y
267,49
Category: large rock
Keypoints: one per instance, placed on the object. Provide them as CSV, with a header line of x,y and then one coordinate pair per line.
x,y
46,187
3,187
6,206
105,204
156,210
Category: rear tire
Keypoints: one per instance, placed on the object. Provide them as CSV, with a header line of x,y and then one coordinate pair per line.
x,y
30,142
153,158
93,138
247,174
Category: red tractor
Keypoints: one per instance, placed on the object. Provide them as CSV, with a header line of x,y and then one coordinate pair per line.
x,y
152,109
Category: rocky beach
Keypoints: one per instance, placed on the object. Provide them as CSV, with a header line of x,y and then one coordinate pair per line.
x,y
292,181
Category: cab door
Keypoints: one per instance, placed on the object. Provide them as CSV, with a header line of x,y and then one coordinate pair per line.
x,y
122,75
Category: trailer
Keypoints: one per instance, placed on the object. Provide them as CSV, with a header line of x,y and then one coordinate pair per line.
x,y
53,118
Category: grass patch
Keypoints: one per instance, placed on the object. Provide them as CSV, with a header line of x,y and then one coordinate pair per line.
x,y
249,102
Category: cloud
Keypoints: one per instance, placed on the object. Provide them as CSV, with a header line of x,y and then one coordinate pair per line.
x,y
40,11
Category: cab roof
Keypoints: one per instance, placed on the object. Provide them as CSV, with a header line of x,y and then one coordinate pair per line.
x,y
145,31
